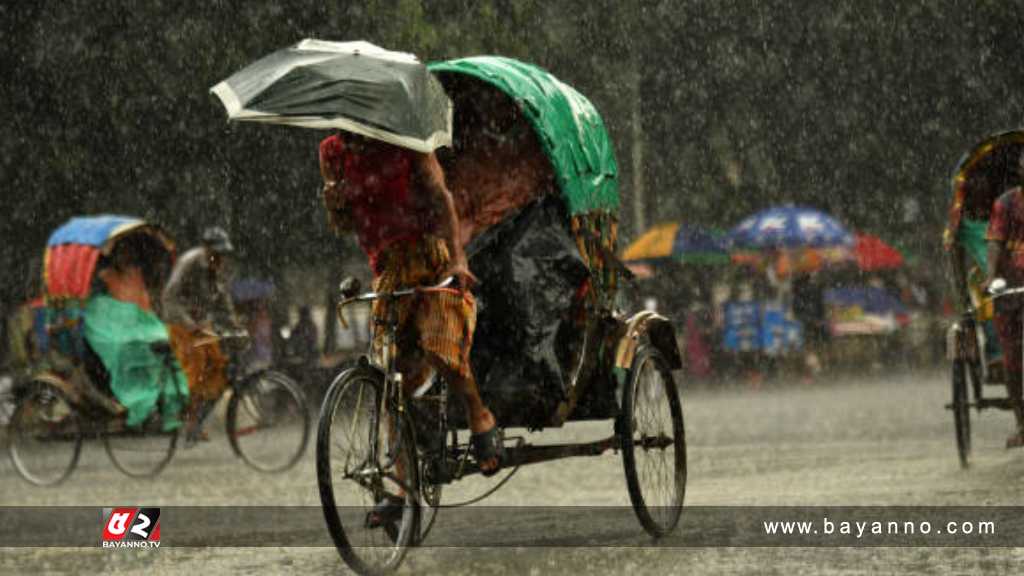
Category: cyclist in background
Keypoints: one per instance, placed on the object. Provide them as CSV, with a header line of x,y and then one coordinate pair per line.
x,y
196,305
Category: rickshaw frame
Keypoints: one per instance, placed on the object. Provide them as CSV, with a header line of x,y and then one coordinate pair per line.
x,y
970,371
616,352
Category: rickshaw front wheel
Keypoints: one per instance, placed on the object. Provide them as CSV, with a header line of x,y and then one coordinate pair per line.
x,y
268,422
44,435
961,412
365,451
653,442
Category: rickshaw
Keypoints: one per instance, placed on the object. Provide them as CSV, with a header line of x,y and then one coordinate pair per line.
x,y
972,346
107,367
551,346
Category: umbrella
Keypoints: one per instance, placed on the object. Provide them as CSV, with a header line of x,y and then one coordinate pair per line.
x,y
874,254
865,310
249,289
793,261
354,86
673,241
790,227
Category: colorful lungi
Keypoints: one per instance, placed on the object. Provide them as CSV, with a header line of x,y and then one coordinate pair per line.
x,y
204,366
441,322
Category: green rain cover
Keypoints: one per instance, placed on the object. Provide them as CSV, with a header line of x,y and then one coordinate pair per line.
x,y
568,126
120,333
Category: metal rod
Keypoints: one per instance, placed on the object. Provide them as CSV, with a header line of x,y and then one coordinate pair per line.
x,y
983,403
533,454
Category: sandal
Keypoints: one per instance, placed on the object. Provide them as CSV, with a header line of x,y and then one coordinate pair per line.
x,y
488,445
387,511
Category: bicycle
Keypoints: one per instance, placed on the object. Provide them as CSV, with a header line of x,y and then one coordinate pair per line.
x,y
262,401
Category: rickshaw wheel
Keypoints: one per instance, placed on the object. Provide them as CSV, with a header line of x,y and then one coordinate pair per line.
x,y
44,435
653,443
266,412
961,412
140,453
351,484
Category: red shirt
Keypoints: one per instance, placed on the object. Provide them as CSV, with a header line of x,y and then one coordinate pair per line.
x,y
378,191
1006,226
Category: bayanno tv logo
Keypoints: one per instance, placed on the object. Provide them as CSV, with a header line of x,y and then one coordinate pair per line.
x,y
131,528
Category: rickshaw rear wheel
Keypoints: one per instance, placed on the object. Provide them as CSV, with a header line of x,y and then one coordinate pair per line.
x,y
351,483
266,411
44,435
653,442
143,453
961,412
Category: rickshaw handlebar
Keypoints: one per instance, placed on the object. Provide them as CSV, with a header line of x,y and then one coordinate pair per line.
x,y
371,296
227,335
998,289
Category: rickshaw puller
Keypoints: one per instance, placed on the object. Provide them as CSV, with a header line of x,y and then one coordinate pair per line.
x,y
1005,239
196,302
403,214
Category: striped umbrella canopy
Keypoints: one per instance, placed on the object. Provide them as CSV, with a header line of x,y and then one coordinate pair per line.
x,y
790,227
678,242
74,249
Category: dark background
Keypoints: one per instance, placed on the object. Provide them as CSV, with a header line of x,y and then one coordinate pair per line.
x,y
859,108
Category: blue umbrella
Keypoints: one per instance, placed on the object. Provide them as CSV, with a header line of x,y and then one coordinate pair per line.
x,y
790,227
249,289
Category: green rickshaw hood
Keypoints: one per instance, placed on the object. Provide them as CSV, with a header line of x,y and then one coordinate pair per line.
x,y
569,128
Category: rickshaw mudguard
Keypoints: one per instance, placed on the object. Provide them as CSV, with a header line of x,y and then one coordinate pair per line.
x,y
659,331
953,335
79,390
73,392
959,343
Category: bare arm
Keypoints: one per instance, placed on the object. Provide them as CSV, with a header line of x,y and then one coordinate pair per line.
x,y
995,251
442,205
175,307
223,311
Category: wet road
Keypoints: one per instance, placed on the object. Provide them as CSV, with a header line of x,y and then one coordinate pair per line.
x,y
871,441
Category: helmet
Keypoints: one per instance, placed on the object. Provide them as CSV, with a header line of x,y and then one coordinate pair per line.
x,y
217,240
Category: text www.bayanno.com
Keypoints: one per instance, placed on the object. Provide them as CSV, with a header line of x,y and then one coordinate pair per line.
x,y
861,529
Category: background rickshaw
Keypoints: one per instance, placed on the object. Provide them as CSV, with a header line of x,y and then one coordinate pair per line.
x,y
535,183
68,396
107,367
981,175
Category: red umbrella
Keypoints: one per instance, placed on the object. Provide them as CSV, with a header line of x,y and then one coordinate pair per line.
x,y
875,254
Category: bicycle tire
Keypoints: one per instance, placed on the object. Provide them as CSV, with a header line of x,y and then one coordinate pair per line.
x,y
46,394
961,412
355,394
661,517
246,402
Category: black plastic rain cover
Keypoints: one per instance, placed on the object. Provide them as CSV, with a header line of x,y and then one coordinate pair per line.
x,y
530,270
